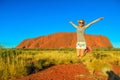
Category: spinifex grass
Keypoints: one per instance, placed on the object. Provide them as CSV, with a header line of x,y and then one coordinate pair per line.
x,y
10,65
101,60
15,63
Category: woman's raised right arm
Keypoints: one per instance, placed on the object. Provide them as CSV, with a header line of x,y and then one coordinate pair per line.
x,y
73,24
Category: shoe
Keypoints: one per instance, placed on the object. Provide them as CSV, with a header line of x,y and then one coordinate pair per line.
x,y
88,49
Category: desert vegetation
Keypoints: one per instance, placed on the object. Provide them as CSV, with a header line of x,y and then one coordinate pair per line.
x,y
16,63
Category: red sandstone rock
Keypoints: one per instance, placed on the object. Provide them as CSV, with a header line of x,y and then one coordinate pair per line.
x,y
64,40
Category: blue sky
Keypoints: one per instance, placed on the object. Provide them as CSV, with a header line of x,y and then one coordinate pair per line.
x,y
23,19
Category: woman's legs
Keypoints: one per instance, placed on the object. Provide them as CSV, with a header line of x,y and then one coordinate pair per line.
x,y
80,52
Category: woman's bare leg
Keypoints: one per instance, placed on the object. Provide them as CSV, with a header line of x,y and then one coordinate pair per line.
x,y
82,52
78,52
85,51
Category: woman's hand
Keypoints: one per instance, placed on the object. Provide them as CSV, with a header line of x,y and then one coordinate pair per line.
x,y
101,18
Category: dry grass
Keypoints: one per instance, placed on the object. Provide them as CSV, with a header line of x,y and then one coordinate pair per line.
x,y
17,63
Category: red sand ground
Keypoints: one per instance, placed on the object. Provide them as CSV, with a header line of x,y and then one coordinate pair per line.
x,y
116,69
64,72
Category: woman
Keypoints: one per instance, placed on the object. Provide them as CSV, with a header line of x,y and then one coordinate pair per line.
x,y
81,43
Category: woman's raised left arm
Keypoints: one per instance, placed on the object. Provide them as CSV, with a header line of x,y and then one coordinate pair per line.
x,y
101,18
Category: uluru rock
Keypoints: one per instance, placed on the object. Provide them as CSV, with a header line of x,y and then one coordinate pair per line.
x,y
64,40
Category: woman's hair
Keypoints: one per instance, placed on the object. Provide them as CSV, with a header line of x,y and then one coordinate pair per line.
x,y
81,20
